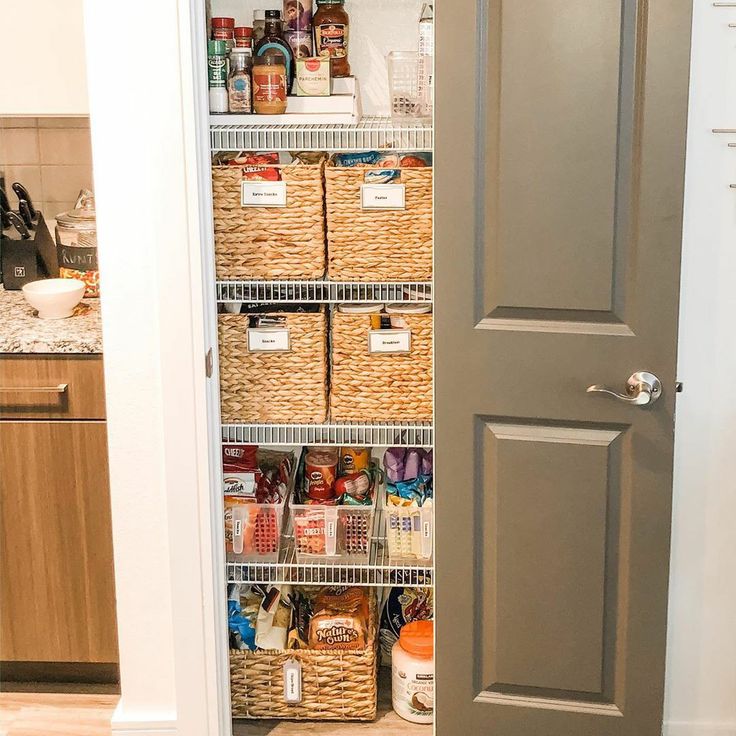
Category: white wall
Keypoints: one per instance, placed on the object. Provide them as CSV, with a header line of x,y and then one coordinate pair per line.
x,y
701,664
42,58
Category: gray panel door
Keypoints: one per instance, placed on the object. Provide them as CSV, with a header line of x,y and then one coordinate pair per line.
x,y
560,164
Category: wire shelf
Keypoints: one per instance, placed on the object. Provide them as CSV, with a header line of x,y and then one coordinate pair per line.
x,y
371,133
323,291
380,570
382,434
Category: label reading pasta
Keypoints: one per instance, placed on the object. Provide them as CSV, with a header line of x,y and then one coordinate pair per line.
x,y
383,196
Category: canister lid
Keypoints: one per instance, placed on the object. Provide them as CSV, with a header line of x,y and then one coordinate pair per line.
x,y
417,638
410,308
223,22
82,217
360,308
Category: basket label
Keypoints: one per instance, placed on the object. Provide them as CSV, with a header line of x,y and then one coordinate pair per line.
x,y
389,341
292,681
383,196
262,193
268,339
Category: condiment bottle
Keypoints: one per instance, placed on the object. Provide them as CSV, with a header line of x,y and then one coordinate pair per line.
x,y
274,40
331,33
269,83
239,86
412,672
217,75
243,37
259,25
222,30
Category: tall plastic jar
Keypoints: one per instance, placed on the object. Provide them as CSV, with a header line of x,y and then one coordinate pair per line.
x,y
412,672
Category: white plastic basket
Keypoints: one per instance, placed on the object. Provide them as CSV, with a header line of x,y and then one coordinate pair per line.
x,y
409,531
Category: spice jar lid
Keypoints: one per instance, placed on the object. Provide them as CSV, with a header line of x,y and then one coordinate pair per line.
x,y
243,32
417,638
273,14
223,22
217,48
408,308
360,308
83,216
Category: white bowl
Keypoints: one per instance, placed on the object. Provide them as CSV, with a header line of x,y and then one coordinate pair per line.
x,y
54,298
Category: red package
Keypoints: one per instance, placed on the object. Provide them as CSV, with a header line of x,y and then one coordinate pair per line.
x,y
256,166
239,458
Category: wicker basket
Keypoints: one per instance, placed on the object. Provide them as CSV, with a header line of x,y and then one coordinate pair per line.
x,y
337,685
380,386
270,242
378,245
279,386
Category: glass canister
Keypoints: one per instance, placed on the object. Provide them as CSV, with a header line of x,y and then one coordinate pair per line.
x,y
76,243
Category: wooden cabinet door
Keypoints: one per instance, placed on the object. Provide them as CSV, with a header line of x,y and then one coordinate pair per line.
x,y
558,197
57,599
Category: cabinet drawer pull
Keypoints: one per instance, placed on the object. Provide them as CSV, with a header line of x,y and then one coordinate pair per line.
x,y
60,389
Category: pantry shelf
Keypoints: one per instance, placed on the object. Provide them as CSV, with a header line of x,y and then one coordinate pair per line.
x,y
371,133
272,292
382,434
379,571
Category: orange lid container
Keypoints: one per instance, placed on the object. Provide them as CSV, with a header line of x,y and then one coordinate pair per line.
x,y
417,638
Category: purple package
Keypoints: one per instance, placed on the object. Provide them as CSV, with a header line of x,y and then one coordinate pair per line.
x,y
393,462
427,461
413,463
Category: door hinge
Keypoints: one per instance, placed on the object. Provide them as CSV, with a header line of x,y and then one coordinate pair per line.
x,y
679,387
208,362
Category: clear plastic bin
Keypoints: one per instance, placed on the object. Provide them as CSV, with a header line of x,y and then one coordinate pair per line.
x,y
407,98
255,528
409,532
333,534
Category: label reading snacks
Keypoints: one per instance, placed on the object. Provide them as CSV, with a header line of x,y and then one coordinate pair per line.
x,y
263,193
268,340
389,341
383,196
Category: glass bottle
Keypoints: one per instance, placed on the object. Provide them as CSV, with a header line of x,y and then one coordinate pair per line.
x,y
331,35
239,83
274,40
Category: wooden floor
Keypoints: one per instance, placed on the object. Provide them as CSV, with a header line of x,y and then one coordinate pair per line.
x,y
75,714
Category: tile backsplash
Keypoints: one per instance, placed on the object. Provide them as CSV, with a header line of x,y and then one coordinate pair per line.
x,y
52,157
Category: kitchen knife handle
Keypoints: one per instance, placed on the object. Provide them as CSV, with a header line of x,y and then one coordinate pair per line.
x,y
19,225
25,212
22,193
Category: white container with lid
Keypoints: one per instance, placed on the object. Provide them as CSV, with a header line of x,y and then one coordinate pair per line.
x,y
358,308
412,673
410,308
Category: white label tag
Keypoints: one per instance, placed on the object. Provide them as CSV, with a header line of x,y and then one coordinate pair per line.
x,y
263,193
389,341
426,530
268,340
292,681
330,529
383,196
238,527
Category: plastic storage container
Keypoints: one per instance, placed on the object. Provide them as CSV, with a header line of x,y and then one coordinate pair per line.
x,y
409,532
408,99
253,530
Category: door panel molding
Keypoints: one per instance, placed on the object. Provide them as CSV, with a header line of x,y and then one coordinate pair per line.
x,y
533,124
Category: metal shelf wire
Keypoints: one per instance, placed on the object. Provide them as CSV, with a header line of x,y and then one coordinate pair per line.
x,y
380,434
271,292
380,570
371,133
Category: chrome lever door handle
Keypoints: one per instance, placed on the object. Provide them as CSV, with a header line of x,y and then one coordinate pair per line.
x,y
642,388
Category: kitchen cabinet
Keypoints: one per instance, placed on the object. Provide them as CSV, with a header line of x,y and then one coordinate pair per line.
x,y
57,593
43,60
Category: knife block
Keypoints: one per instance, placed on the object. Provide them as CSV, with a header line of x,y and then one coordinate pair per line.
x,y
28,260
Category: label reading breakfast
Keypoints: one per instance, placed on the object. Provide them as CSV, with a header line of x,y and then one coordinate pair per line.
x,y
383,196
389,341
263,194
268,340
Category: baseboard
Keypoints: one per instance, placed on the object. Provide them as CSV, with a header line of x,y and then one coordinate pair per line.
x,y
679,728
87,673
127,723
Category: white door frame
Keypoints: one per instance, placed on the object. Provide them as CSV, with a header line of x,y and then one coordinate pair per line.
x,y
145,103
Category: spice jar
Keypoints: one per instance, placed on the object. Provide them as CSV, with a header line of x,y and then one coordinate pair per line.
x,y
239,92
331,32
223,30
269,83
76,243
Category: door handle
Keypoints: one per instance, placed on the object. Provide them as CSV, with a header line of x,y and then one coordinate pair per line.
x,y
642,388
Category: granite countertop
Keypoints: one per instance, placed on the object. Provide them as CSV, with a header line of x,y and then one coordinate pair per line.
x,y
21,331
